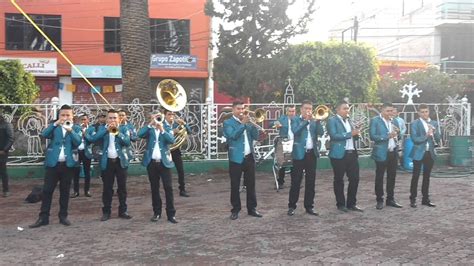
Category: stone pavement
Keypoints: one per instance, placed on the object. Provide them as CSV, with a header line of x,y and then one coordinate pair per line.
x,y
205,234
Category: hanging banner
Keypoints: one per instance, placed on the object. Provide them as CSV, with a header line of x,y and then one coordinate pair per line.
x,y
104,72
38,67
173,61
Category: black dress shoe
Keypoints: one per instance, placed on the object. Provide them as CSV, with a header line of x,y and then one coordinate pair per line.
x,y
379,205
172,220
39,222
312,212
280,186
355,208
291,211
155,217
428,203
183,193
234,216
105,217
64,221
342,208
255,213
87,194
125,215
74,195
413,204
393,203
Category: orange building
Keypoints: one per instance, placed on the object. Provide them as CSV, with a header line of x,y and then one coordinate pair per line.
x,y
87,31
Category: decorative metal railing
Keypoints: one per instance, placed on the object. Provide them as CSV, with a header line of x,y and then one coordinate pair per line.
x,y
206,140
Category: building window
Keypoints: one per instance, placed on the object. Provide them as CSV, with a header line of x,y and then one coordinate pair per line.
x,y
21,35
169,36
111,34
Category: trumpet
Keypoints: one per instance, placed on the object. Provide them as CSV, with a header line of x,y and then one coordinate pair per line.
x,y
431,133
113,129
68,124
158,118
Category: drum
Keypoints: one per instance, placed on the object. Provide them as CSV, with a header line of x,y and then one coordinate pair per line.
x,y
283,149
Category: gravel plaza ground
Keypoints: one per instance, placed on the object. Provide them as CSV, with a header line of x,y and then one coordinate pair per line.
x,y
206,235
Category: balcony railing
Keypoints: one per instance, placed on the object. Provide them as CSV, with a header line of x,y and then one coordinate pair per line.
x,y
456,10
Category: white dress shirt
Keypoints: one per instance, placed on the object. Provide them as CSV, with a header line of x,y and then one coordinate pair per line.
x,y
247,150
425,125
62,155
291,136
309,140
347,126
111,151
391,141
156,155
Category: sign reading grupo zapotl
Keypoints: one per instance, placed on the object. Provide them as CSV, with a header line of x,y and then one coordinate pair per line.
x,y
176,61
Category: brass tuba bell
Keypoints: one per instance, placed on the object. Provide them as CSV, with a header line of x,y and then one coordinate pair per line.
x,y
171,95
321,112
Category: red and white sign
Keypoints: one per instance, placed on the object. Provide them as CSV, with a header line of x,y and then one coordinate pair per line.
x,y
39,67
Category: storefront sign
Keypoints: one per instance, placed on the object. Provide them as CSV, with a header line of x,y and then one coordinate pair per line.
x,y
104,72
39,67
173,61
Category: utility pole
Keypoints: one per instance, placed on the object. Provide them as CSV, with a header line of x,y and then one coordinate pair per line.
x,y
356,28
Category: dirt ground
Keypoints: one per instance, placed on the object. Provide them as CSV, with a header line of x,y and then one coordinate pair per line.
x,y
206,235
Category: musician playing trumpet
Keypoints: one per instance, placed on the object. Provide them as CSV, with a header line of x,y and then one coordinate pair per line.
x,y
284,128
85,157
425,134
114,163
305,153
240,133
384,132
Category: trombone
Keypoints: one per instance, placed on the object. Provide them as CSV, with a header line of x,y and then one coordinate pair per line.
x,y
259,115
321,112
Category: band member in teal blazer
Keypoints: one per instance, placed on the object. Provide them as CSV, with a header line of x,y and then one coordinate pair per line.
x,y
384,132
344,158
305,152
284,131
132,131
425,134
85,157
171,121
61,159
114,163
240,134
158,162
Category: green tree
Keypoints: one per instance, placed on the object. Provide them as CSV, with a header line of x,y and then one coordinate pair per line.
x,y
436,85
329,72
251,36
16,85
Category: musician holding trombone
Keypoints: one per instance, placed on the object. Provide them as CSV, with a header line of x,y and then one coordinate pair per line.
x,y
384,132
60,162
305,153
240,133
425,134
158,162
114,163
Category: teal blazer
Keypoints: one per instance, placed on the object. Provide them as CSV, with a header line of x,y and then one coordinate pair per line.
x,y
419,138
122,142
87,144
298,126
337,133
71,141
234,133
130,129
283,130
378,133
164,139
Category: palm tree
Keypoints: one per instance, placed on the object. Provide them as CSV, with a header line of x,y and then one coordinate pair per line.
x,y
135,50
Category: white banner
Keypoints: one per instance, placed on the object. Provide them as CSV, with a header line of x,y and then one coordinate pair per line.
x,y
39,67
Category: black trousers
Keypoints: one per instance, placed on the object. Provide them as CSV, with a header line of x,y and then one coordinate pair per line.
x,y
114,169
427,163
247,167
4,174
308,164
348,165
86,163
62,174
156,170
178,162
390,165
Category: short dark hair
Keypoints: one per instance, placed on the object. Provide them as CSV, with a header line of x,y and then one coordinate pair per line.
x,y
338,104
65,107
101,115
84,115
386,105
235,103
165,111
423,106
306,102
112,111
